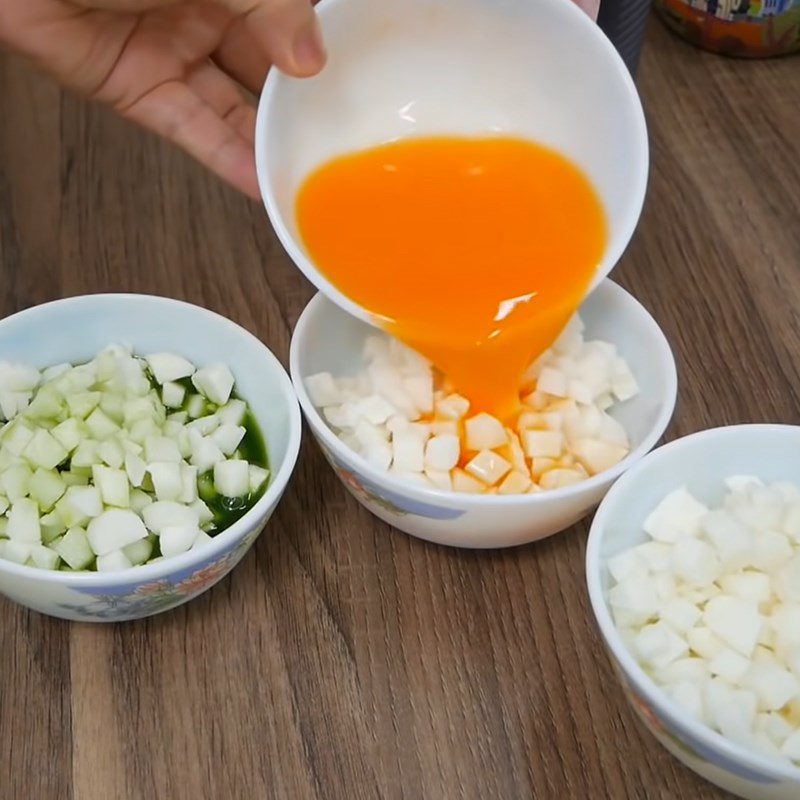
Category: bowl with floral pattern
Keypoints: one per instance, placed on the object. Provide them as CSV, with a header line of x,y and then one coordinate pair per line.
x,y
327,338
701,462
86,325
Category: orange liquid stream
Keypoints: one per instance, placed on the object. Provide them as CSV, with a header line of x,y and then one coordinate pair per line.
x,y
476,252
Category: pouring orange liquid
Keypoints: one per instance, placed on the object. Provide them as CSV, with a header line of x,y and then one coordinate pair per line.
x,y
476,252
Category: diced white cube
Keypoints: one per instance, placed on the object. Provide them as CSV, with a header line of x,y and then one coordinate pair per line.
x,y
689,696
135,469
439,478
215,382
323,390
375,409
773,685
167,479
553,382
515,483
175,540
169,367
258,477
637,596
771,550
561,478
736,622
703,642
538,444
695,561
44,450
677,515
752,586
597,455
23,522
113,530
113,562
623,382
201,540
729,665
378,453
659,645
732,541
113,485
408,452
205,453
228,437
167,514
442,452
680,614
488,466
453,406
161,448
232,478
464,483
420,389
737,483
172,394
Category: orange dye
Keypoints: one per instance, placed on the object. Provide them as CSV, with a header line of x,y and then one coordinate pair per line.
x,y
476,252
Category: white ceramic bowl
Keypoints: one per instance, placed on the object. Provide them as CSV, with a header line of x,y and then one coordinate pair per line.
x,y
540,70
326,338
74,330
701,462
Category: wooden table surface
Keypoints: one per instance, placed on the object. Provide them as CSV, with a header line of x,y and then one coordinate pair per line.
x,y
342,659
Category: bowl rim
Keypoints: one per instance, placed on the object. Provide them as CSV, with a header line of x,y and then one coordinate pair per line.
x,y
643,683
469,501
628,221
220,542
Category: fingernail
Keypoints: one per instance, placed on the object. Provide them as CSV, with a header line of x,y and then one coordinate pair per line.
x,y
308,52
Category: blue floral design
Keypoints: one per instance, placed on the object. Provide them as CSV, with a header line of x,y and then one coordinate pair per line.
x,y
663,724
137,599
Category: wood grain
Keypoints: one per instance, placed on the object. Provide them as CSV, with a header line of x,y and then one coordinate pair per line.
x,y
343,659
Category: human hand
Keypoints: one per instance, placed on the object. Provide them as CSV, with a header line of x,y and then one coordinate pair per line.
x,y
175,67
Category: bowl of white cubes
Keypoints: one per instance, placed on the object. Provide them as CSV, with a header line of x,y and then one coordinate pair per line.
x,y
409,448
144,444
693,568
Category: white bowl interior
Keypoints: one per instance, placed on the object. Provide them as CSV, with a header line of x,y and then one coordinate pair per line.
x,y
76,329
540,70
701,462
328,339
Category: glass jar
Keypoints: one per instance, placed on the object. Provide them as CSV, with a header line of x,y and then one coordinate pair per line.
x,y
744,28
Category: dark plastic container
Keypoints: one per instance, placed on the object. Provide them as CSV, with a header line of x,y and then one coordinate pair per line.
x,y
624,22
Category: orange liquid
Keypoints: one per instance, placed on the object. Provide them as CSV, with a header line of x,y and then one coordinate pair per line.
x,y
475,252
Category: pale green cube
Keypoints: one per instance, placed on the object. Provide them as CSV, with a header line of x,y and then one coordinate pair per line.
x,y
139,552
85,454
45,451
46,487
100,425
44,558
70,432
46,404
15,481
81,404
17,436
74,549
113,485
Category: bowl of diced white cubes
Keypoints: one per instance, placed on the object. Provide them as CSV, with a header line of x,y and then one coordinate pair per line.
x,y
413,453
693,568
145,443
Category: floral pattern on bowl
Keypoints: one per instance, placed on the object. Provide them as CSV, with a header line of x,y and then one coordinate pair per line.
x,y
371,494
662,727
135,599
